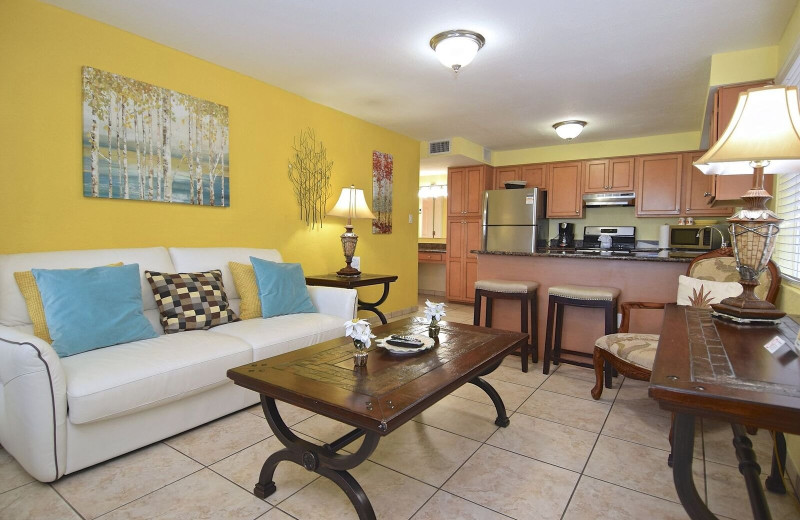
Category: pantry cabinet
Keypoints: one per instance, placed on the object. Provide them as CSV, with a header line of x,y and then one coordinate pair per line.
x,y
465,187
463,236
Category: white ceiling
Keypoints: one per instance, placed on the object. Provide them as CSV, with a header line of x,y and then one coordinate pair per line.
x,y
629,67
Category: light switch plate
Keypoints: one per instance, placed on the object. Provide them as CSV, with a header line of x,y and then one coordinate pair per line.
x,y
410,218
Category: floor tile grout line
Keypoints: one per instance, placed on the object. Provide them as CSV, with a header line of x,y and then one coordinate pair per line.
x,y
66,501
17,487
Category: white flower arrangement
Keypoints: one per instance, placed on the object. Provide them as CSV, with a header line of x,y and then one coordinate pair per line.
x,y
434,311
360,331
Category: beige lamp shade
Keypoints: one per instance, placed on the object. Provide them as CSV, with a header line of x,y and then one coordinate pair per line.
x,y
764,131
351,204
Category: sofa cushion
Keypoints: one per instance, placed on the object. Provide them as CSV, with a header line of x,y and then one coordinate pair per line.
x,y
244,279
280,334
13,311
192,259
281,288
190,301
134,376
93,308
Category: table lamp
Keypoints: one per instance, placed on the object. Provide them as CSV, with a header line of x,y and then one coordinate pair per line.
x,y
351,204
763,137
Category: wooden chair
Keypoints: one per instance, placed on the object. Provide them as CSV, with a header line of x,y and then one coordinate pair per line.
x,y
632,354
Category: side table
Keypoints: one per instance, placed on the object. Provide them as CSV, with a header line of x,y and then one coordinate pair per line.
x,y
353,282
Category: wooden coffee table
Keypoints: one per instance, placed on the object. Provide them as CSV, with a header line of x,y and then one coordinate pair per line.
x,y
376,399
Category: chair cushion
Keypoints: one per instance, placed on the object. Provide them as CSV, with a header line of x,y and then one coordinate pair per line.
x,y
506,286
637,349
702,293
583,292
281,334
127,378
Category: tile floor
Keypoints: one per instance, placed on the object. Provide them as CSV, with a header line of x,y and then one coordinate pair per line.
x,y
564,456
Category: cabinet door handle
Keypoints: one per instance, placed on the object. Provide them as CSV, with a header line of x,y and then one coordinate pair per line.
x,y
688,210
576,211
706,194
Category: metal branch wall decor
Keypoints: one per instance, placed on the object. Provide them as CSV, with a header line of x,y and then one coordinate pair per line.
x,y
143,142
310,173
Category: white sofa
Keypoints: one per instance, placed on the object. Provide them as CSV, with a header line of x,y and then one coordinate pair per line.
x,y
59,415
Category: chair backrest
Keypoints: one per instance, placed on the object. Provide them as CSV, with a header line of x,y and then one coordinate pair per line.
x,y
720,266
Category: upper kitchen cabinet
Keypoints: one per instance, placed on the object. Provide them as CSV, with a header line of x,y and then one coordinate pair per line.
x,y
564,190
698,190
728,189
465,187
608,175
534,175
658,185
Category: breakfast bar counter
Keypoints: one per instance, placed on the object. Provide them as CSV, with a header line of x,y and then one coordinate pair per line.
x,y
640,278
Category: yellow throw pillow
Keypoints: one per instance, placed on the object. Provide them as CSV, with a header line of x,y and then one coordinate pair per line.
x,y
244,278
33,301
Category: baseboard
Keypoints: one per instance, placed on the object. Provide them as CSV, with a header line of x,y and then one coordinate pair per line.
x,y
375,321
431,293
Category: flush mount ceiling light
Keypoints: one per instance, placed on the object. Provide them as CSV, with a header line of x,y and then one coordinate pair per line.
x,y
457,48
569,129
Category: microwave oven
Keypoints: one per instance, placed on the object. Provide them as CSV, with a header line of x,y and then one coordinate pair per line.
x,y
698,238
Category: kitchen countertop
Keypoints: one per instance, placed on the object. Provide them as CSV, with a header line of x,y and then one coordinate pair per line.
x,y
432,248
640,257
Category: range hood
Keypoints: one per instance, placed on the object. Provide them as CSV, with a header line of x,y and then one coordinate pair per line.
x,y
619,198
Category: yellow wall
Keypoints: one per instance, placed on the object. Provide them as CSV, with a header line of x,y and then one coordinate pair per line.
x,y
43,208
617,147
743,66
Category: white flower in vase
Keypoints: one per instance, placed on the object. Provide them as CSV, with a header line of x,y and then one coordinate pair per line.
x,y
360,331
434,311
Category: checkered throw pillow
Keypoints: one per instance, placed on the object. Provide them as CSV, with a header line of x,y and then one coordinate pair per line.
x,y
190,301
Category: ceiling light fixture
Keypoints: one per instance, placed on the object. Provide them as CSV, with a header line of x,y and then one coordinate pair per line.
x,y
457,48
569,129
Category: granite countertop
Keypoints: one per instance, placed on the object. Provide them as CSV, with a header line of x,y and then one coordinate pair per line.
x,y
431,248
634,257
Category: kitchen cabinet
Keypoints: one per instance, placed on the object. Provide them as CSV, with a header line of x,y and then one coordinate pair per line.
x,y
608,175
698,190
465,187
535,175
430,258
564,198
727,190
658,185
463,235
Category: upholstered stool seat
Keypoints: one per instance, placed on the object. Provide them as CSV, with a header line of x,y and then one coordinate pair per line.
x,y
636,349
560,296
522,290
583,292
506,286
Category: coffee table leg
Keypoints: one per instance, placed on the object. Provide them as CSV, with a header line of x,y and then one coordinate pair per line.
x,y
318,459
502,418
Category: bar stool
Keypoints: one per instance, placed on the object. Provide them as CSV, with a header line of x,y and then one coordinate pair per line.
x,y
523,291
577,296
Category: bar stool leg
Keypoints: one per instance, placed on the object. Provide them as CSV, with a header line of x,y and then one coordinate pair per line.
x,y
559,324
548,340
524,329
535,328
489,301
476,316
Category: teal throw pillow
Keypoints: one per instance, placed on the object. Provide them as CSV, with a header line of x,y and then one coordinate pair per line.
x,y
87,309
281,288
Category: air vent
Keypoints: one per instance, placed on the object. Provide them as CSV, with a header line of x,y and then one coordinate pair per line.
x,y
439,147
487,155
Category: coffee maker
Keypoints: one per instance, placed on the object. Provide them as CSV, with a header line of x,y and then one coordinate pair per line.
x,y
566,235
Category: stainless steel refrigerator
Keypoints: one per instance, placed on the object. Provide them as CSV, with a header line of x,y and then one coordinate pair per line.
x,y
514,220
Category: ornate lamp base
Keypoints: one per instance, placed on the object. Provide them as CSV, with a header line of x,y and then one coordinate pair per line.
x,y
349,241
747,307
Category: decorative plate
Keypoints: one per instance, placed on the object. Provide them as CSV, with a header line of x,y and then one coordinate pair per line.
x,y
427,344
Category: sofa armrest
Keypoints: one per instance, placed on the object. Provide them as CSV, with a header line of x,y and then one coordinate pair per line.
x,y
334,301
33,413
626,312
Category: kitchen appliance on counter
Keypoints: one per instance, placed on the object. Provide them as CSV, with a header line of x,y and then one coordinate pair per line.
x,y
514,220
608,240
566,235
698,238
618,198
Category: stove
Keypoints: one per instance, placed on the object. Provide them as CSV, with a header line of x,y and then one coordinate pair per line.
x,y
623,240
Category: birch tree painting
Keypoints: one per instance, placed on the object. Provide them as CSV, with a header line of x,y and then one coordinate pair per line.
x,y
144,142
382,173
